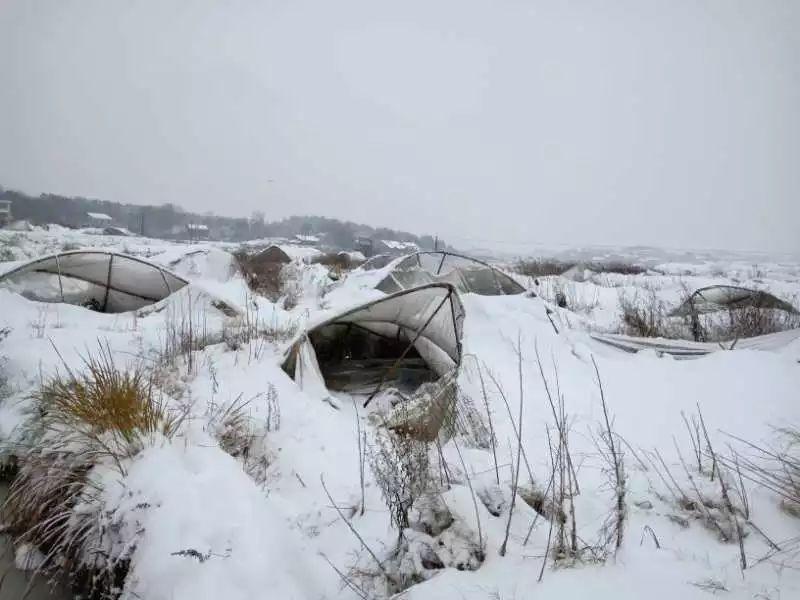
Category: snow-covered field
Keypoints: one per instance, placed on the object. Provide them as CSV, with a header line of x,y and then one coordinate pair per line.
x,y
197,523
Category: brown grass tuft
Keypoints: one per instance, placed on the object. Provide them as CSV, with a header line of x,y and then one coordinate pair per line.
x,y
104,399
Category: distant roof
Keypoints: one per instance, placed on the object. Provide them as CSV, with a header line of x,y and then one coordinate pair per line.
x,y
99,216
306,238
197,227
395,245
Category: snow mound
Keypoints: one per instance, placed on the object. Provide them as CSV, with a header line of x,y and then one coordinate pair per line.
x,y
209,531
205,263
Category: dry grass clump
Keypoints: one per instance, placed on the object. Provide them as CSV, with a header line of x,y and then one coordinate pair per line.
x,y
643,316
187,331
97,417
264,273
541,267
241,436
104,399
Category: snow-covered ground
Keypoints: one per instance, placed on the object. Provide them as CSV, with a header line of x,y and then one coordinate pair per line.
x,y
197,523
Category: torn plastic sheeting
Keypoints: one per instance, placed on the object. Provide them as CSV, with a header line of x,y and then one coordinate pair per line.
x,y
307,374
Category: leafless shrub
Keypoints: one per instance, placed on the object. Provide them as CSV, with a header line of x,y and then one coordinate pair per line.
x,y
564,548
187,331
491,437
613,457
515,484
472,494
402,470
774,468
644,315
378,562
361,438
724,514
466,421
726,499
255,333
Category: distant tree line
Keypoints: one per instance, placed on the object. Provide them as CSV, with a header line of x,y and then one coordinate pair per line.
x,y
170,220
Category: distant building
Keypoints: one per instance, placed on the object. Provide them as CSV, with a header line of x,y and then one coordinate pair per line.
x,y
394,247
99,219
364,245
306,240
5,212
197,231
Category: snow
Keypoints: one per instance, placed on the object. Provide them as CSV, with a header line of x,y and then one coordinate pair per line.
x,y
212,532
216,526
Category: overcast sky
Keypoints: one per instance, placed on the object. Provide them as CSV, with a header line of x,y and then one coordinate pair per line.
x,y
673,122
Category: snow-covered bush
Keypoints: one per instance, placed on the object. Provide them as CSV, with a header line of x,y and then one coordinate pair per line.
x,y
81,423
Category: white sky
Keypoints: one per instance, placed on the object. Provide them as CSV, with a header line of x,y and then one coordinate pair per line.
x,y
673,122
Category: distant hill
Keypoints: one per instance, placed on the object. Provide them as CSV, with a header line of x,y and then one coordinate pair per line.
x,y
169,221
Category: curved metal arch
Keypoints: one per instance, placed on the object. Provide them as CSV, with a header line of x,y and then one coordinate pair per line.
x,y
496,273
57,258
59,255
756,296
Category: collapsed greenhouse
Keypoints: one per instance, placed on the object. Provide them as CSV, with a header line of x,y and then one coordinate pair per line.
x,y
716,298
403,341
100,280
464,273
